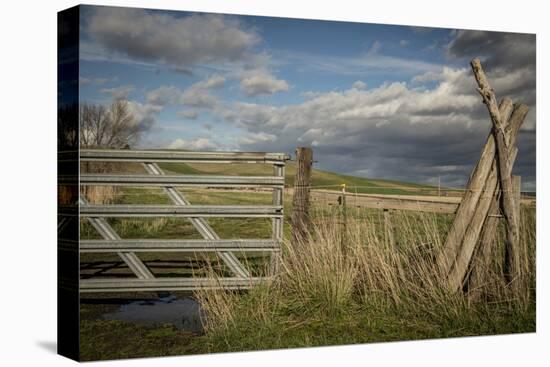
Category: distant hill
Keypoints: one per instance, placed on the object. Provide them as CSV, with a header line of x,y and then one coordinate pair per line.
x,y
321,179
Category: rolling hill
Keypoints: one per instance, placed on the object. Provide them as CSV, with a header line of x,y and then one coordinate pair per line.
x,y
320,179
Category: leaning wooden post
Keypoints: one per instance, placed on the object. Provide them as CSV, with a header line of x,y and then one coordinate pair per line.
x,y
459,270
505,177
484,254
300,201
476,184
513,270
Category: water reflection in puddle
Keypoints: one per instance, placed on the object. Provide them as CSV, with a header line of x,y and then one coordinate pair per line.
x,y
183,313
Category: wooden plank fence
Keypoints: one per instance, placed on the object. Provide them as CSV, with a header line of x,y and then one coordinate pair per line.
x,y
417,203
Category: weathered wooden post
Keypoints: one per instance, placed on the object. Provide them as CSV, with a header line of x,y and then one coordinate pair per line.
x,y
468,204
505,171
388,229
343,237
492,172
483,257
300,200
513,268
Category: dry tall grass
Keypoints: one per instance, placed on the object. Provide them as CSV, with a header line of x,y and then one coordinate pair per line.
x,y
100,194
325,276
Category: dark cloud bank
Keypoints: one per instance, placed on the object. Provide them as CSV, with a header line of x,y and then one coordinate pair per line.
x,y
398,132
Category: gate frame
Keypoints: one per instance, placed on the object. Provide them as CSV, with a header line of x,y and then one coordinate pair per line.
x,y
211,242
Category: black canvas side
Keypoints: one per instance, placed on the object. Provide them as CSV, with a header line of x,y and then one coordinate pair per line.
x,y
67,189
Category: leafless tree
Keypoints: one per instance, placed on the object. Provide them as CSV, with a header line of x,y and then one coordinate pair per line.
x,y
112,127
67,132
107,127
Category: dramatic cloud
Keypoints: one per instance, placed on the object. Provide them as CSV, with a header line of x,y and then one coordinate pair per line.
x,y
159,37
394,131
508,58
510,62
499,50
262,83
427,121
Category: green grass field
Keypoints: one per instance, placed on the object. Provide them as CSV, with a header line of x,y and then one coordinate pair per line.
x,y
324,296
320,179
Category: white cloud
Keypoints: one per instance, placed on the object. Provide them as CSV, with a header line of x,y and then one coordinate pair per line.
x,y
188,114
213,82
376,46
197,95
359,84
255,138
193,144
96,81
121,92
163,95
258,83
404,131
144,114
198,98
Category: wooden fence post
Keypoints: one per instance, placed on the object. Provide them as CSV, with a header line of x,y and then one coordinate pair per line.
x,y
301,199
344,235
388,228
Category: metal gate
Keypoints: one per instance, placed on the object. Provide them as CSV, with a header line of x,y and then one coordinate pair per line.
x,y
128,249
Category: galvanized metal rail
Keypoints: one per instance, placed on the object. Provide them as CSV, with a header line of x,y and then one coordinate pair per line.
x,y
236,211
181,180
107,232
199,223
211,242
145,245
166,284
106,155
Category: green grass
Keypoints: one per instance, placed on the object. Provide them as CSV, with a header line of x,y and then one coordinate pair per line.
x,y
344,302
368,291
286,326
320,179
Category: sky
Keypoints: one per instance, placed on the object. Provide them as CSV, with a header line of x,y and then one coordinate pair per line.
x,y
377,101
